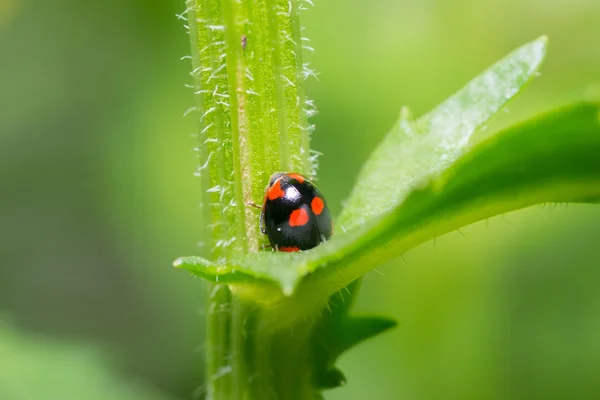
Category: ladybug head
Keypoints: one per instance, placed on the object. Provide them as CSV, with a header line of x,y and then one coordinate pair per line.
x,y
274,177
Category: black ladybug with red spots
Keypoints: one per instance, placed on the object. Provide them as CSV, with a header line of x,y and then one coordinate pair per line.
x,y
294,214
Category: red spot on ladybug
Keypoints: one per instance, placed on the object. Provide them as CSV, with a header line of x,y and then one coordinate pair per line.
x,y
298,217
297,177
317,205
276,192
288,249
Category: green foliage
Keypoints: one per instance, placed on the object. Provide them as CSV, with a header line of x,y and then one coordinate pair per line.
x,y
415,151
411,154
338,331
37,369
425,179
441,184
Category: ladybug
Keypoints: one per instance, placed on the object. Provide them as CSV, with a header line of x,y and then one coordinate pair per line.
x,y
294,214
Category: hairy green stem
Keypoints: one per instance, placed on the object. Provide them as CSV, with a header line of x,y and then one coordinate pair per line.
x,y
248,71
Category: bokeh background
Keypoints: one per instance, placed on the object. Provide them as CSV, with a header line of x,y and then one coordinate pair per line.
x,y
97,198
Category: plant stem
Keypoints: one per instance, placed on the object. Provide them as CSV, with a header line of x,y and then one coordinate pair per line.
x,y
248,71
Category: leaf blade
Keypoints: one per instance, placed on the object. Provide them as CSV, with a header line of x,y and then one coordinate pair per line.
x,y
415,150
565,169
553,158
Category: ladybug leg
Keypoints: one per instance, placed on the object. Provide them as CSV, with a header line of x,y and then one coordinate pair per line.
x,y
262,222
267,246
253,204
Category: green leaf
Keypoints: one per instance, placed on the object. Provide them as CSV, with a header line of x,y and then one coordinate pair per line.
x,y
426,182
329,378
330,340
413,151
552,158
337,331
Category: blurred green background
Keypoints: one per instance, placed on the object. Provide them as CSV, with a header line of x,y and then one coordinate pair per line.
x,y
97,198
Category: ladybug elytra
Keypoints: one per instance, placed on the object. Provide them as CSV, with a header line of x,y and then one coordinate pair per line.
x,y
294,213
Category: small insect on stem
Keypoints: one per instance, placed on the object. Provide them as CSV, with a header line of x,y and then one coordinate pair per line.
x,y
294,215
244,41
